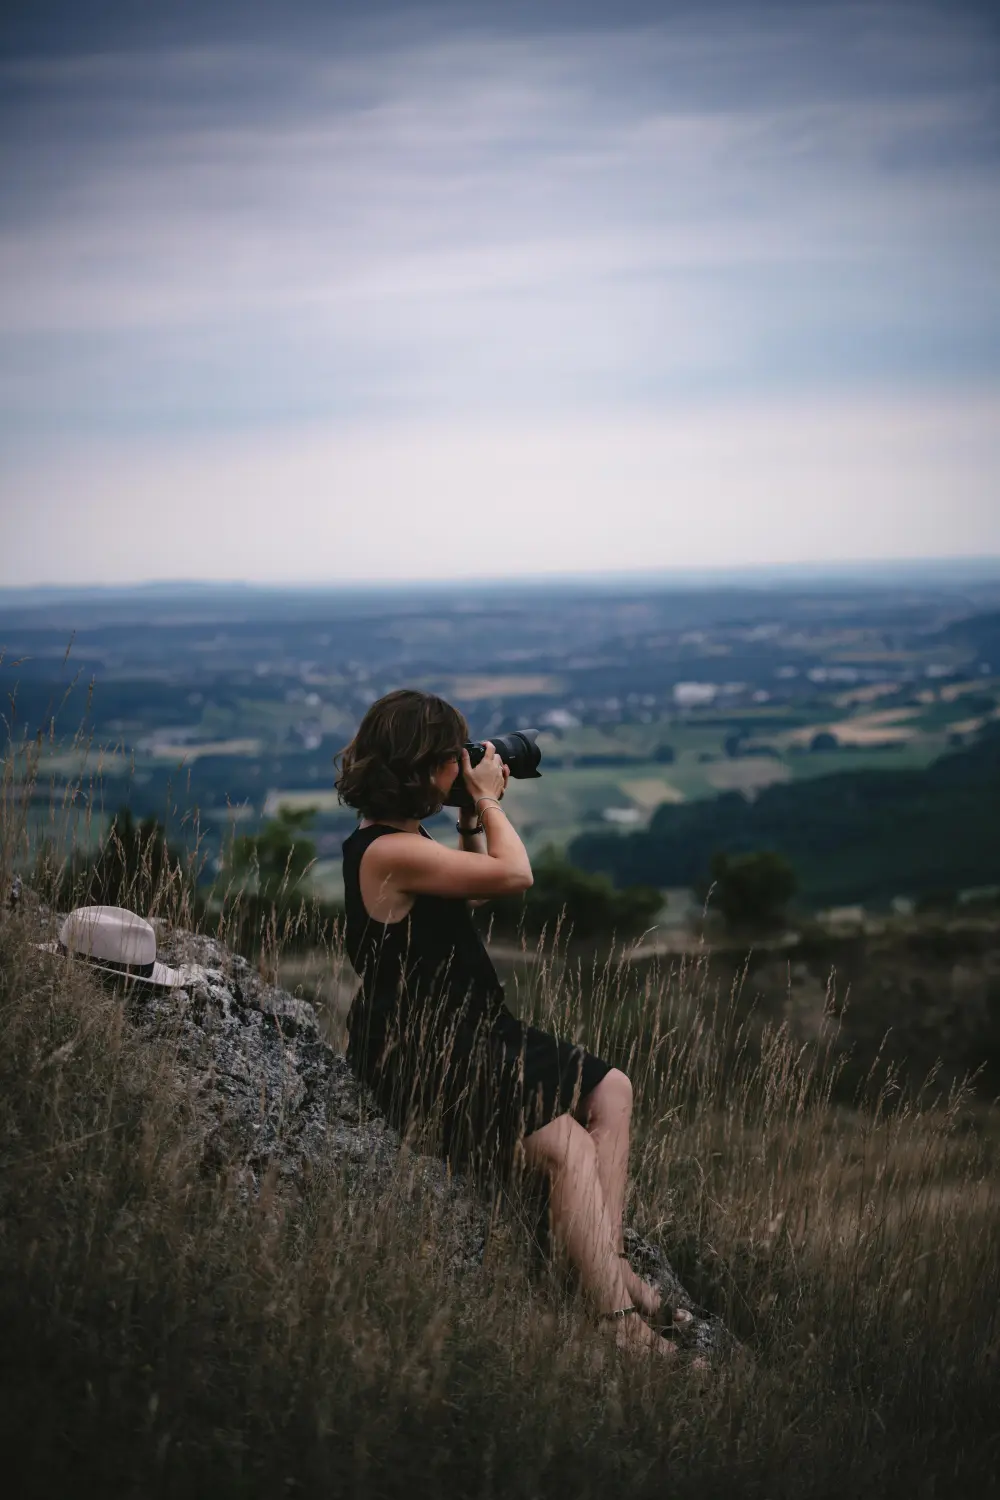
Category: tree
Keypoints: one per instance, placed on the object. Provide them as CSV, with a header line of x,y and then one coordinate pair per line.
x,y
824,740
279,857
751,890
263,898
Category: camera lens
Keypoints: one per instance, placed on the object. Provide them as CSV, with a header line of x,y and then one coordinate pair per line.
x,y
517,750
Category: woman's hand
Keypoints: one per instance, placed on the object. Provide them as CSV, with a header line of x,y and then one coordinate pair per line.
x,y
489,778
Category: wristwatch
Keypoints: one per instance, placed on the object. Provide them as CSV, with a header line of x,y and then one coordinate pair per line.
x,y
470,832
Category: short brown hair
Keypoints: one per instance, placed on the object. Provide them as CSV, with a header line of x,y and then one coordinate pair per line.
x,y
386,769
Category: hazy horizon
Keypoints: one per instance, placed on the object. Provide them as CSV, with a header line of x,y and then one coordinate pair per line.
x,y
943,570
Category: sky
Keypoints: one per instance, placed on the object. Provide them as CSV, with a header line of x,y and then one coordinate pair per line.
x,y
326,293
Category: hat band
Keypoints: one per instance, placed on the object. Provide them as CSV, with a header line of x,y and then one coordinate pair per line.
x,y
142,971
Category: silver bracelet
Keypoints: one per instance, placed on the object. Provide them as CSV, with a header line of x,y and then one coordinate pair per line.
x,y
479,811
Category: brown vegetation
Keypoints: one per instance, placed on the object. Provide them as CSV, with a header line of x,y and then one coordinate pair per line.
x,y
167,1333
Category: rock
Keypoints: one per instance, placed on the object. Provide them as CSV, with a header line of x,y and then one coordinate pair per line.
x,y
269,1090
705,1334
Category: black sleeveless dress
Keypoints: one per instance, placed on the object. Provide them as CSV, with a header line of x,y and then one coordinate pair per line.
x,y
430,1033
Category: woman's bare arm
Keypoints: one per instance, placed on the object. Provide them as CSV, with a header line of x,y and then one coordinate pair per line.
x,y
472,843
420,866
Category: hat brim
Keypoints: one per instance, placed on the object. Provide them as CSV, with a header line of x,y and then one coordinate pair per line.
x,y
161,977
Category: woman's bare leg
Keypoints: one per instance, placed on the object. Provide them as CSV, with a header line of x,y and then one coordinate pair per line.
x,y
581,1225
607,1114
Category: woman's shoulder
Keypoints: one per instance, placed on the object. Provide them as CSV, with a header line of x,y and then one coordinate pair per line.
x,y
362,837
358,840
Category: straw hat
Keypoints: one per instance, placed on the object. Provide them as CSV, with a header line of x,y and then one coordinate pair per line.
x,y
117,941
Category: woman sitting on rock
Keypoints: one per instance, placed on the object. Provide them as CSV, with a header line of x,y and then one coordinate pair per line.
x,y
429,1030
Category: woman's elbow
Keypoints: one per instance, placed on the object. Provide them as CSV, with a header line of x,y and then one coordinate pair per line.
x,y
523,881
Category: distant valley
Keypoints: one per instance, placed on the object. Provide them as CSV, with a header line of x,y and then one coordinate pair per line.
x,y
673,719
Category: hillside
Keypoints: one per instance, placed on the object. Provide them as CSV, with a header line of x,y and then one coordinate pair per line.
x,y
852,836
221,1274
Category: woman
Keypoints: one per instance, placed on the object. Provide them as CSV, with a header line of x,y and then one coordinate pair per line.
x,y
429,1031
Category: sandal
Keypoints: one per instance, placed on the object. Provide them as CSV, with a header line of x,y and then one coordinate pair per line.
x,y
619,1312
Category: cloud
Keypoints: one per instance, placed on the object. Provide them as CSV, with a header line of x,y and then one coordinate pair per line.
x,y
652,205
397,232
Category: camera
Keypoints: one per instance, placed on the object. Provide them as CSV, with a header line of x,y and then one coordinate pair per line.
x,y
517,750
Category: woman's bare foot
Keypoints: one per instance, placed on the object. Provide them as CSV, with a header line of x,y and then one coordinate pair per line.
x,y
634,1335
647,1299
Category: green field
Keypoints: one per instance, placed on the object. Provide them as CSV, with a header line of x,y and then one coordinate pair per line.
x,y
245,761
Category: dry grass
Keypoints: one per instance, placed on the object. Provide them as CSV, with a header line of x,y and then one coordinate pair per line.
x,y
164,1334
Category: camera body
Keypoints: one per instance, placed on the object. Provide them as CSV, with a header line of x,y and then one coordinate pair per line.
x,y
517,750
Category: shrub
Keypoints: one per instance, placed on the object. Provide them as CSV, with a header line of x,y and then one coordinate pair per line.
x,y
262,899
751,890
277,860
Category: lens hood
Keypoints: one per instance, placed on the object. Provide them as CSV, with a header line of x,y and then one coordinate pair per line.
x,y
517,750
